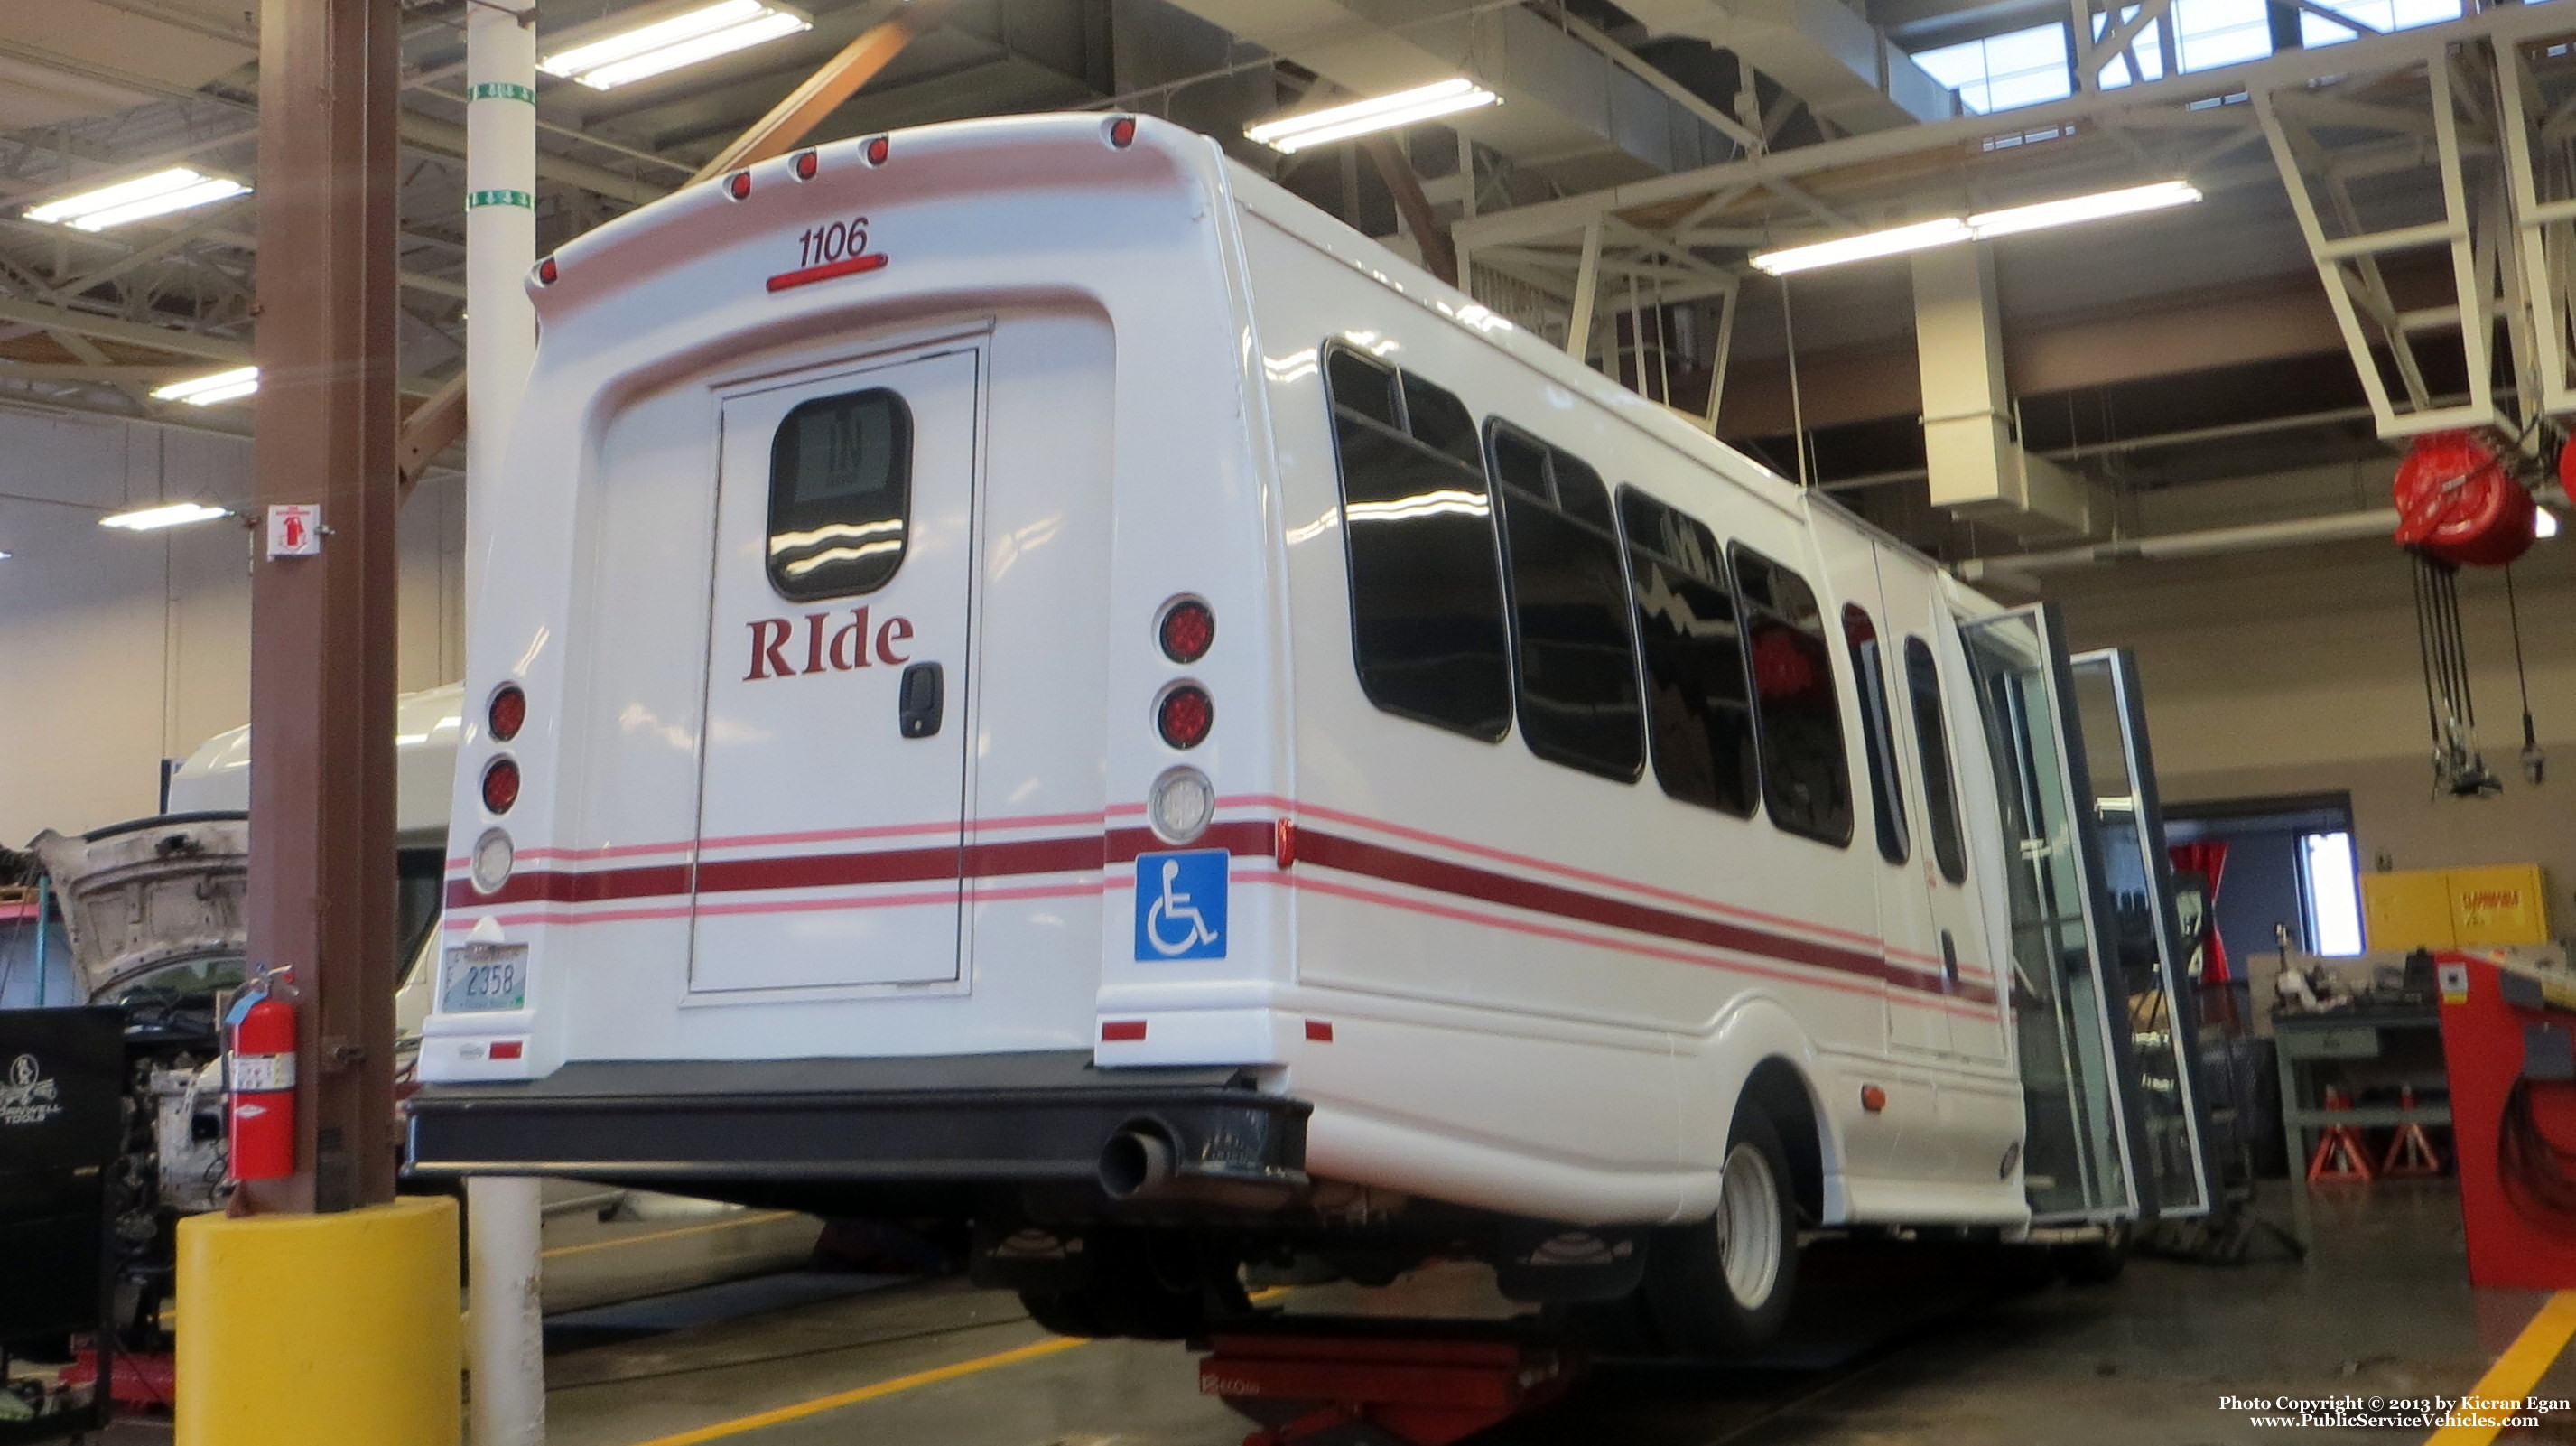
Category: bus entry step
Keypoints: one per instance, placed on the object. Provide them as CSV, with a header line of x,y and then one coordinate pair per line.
x,y
1346,1391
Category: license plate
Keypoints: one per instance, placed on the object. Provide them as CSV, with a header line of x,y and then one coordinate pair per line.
x,y
483,977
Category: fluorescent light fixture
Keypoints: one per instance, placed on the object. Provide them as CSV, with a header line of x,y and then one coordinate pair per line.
x,y
205,391
2545,524
152,519
1917,237
2076,209
1984,226
158,194
1293,133
683,39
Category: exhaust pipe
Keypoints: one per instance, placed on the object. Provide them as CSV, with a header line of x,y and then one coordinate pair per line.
x,y
1136,1163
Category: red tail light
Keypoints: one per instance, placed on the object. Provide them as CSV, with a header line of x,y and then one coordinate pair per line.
x,y
738,185
508,713
546,272
500,785
878,149
1122,132
806,165
1185,715
1188,630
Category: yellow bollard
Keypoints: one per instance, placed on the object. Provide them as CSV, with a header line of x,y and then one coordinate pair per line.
x,y
321,1330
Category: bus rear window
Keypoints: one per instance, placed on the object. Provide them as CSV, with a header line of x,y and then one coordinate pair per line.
x,y
840,490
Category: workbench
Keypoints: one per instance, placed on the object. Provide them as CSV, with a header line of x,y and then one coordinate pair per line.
x,y
2367,1048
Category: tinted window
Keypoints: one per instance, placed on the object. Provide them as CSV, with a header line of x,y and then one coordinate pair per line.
x,y
840,488
1932,736
1699,709
1417,523
1578,664
1878,735
1805,778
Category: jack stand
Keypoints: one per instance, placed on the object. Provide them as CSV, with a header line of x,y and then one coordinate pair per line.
x,y
2411,1155
1358,1390
2340,1155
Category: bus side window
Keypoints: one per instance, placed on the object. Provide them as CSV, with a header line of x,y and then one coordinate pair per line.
x,y
1417,524
1699,706
1577,662
1878,734
1932,736
1806,778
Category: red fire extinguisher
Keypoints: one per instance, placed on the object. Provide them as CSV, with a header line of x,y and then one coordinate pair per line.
x,y
259,1080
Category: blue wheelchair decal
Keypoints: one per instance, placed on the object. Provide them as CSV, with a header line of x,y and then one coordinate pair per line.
x,y
1180,905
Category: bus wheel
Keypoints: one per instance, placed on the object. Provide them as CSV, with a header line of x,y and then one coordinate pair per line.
x,y
1066,1313
1144,1287
1723,1286
2094,1262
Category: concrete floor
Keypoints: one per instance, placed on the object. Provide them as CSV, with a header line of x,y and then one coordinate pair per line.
x,y
2382,1309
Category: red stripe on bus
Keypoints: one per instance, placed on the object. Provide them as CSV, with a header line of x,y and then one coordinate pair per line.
x,y
1241,837
848,266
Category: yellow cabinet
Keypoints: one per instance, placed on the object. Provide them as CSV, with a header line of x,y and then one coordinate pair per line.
x,y
2450,908
2504,904
2409,909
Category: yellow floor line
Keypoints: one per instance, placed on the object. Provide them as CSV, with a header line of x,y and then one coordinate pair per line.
x,y
2518,1369
737,1222
820,1404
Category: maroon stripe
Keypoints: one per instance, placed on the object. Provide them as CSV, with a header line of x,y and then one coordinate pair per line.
x,y
1243,838
1377,861
549,887
1248,838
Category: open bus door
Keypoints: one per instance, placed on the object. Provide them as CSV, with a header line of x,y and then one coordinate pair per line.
x,y
2146,940
2094,1138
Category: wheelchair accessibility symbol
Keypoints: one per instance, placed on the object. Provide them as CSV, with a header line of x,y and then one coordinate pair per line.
x,y
1180,905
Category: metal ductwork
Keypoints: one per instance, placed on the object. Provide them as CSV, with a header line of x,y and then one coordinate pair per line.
x,y
1974,460
1820,51
1563,100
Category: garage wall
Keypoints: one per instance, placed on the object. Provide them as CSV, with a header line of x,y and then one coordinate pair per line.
x,y
118,650
2297,672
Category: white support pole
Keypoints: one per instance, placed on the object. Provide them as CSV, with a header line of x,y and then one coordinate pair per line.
x,y
505,1345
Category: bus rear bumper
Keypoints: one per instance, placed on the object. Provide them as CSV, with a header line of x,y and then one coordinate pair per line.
x,y
1004,1119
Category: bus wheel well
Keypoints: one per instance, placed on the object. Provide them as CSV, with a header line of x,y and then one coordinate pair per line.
x,y
1779,1091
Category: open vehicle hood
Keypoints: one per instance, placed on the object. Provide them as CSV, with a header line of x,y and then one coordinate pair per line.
x,y
150,895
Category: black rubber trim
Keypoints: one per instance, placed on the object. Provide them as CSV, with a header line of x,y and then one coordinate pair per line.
x,y
1030,1117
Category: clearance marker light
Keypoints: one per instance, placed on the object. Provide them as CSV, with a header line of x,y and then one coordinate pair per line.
x,y
1984,226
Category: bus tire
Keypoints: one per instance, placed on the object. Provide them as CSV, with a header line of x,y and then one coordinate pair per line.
x,y
1066,1313
2093,1262
1723,1287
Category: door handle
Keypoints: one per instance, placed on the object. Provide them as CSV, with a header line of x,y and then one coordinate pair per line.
x,y
1949,960
921,700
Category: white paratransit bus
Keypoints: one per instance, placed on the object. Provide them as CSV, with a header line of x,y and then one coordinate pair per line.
x,y
1022,672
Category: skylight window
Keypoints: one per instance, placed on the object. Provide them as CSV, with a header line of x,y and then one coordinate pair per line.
x,y
2212,33
2382,15
2021,67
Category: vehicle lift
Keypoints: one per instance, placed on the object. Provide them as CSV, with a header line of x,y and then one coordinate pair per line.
x,y
1337,1381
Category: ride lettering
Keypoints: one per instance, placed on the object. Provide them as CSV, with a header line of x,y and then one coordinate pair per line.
x,y
776,650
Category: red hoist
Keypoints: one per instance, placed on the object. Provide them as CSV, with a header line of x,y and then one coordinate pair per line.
x,y
2460,503
259,1080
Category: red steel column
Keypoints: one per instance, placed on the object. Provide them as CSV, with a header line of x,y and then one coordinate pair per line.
x,y
322,627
